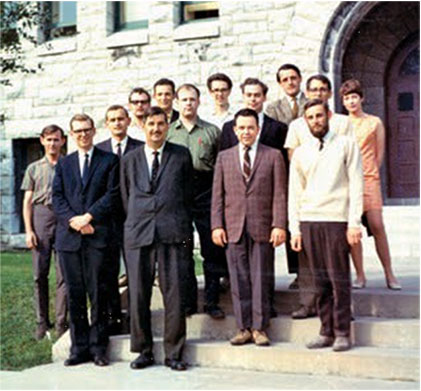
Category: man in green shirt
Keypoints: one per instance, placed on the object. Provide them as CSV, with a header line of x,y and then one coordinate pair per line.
x,y
202,140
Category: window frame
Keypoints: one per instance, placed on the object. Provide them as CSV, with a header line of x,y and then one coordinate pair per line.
x,y
126,26
194,6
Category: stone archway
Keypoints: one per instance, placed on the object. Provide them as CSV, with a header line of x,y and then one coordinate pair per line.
x,y
360,42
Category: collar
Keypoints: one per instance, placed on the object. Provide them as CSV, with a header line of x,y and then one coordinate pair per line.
x,y
122,143
253,147
149,150
83,153
326,138
297,97
199,123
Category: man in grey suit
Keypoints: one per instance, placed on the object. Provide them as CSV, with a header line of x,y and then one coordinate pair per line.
x,y
156,190
249,218
290,106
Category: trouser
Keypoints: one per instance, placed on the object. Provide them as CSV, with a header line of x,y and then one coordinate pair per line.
x,y
172,260
326,248
84,273
307,290
44,223
248,264
112,267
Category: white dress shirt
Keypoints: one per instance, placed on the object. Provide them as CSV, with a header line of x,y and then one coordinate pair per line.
x,y
252,154
150,156
123,145
81,156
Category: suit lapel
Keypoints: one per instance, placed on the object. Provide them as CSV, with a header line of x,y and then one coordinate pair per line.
x,y
286,107
74,158
164,160
256,163
92,167
144,169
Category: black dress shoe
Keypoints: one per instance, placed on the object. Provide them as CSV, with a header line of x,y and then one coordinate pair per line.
x,y
76,359
101,360
142,361
114,327
175,365
214,311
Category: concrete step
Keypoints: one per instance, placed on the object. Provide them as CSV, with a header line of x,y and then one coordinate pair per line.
x,y
361,362
380,332
366,302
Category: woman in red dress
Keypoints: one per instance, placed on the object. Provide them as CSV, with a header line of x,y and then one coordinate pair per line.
x,y
370,135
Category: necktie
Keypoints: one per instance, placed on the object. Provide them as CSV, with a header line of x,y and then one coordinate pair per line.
x,y
294,107
85,170
119,150
155,168
246,163
321,144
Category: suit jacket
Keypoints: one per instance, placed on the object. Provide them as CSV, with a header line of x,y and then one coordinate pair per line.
x,y
131,144
97,197
257,205
118,211
281,111
162,214
273,134
174,116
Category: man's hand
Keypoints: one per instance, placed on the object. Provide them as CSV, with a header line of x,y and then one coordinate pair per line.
x,y
296,243
277,236
353,236
87,230
219,237
31,240
78,222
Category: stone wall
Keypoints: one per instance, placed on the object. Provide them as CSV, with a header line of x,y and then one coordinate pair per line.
x,y
96,68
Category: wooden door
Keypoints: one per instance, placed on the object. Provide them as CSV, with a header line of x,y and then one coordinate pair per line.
x,y
403,123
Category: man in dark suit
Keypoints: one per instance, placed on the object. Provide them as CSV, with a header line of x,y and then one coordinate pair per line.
x,y
249,218
156,190
85,190
117,120
164,95
272,133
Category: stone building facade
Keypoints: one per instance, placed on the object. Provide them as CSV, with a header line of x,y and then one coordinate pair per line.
x,y
377,42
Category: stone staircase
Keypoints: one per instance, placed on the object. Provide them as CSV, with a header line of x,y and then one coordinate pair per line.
x,y
385,330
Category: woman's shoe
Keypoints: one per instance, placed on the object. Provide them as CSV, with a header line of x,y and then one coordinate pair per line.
x,y
394,286
358,284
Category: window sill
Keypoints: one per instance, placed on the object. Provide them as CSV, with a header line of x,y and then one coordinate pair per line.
x,y
57,46
197,30
128,38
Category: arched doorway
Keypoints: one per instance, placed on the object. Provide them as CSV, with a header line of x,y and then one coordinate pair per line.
x,y
403,119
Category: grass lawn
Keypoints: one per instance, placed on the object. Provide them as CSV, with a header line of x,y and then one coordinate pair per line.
x,y
18,347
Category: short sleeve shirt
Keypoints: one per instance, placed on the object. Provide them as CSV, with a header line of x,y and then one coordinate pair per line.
x,y
39,179
202,142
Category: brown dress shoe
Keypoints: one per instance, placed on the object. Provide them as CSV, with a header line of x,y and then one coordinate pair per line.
x,y
260,338
321,341
341,344
242,337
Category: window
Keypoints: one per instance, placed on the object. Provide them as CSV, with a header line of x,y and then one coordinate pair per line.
x,y
61,19
198,10
130,15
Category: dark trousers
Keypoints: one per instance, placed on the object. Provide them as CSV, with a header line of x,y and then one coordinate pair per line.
x,y
172,260
112,267
326,248
44,223
307,289
84,273
248,265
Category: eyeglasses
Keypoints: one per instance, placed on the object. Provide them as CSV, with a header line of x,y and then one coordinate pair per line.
x,y
321,89
222,90
79,131
139,102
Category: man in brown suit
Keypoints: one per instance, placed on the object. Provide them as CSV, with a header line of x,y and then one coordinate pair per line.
x,y
249,218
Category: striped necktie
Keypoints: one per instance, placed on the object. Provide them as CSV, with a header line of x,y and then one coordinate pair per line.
x,y
246,163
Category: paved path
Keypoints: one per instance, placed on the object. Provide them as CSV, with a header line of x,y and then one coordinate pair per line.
x,y
119,376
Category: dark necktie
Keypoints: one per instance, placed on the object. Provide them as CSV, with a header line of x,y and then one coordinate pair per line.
x,y
246,163
85,171
321,144
294,107
119,150
155,168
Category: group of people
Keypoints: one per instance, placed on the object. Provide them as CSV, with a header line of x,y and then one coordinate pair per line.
x,y
248,181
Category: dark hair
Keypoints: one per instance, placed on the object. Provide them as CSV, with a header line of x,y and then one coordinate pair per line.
x,y
219,77
321,78
50,129
164,82
287,67
155,110
115,108
81,117
253,81
187,86
246,113
316,102
139,90
351,86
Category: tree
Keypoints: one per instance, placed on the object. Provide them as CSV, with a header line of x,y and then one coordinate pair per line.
x,y
19,21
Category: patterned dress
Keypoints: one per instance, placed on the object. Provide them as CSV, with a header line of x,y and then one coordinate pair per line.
x,y
366,130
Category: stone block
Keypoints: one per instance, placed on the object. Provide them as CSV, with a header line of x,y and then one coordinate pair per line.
x,y
249,16
161,32
160,13
255,38
280,19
